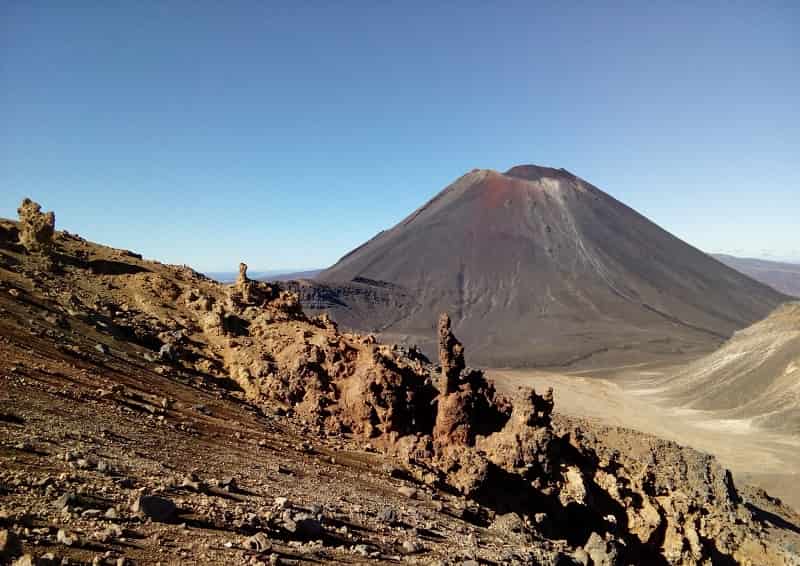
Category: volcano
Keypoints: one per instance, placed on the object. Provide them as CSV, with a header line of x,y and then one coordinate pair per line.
x,y
538,267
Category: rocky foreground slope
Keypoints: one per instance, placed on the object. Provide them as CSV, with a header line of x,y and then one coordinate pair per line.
x,y
149,414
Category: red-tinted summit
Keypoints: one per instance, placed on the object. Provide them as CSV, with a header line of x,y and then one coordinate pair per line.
x,y
536,172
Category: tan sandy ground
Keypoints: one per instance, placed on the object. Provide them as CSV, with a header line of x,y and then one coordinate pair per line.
x,y
629,397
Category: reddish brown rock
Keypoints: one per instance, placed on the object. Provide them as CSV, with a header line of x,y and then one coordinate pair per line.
x,y
451,355
526,445
36,228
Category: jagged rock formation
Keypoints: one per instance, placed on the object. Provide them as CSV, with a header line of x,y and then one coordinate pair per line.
x,y
538,268
526,445
35,227
243,285
242,278
576,495
451,355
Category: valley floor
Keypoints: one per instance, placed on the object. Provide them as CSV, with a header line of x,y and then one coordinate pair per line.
x,y
629,396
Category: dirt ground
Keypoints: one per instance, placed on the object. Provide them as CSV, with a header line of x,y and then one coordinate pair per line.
x,y
631,396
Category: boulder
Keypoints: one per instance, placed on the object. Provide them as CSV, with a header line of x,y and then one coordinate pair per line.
x,y
9,545
526,444
602,552
158,509
258,542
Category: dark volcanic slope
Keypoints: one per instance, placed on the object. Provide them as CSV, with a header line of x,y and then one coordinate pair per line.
x,y
539,267
784,277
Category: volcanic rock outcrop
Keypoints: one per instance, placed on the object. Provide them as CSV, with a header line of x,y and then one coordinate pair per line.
x,y
35,227
451,355
537,267
526,445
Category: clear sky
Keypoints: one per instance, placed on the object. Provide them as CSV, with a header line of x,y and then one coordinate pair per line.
x,y
286,133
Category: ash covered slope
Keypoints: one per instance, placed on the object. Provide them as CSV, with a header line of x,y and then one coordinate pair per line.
x,y
782,276
754,375
540,267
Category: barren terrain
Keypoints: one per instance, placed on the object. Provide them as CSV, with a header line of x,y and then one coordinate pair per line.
x,y
151,415
754,377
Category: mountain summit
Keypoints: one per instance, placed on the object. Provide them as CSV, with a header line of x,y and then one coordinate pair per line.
x,y
538,267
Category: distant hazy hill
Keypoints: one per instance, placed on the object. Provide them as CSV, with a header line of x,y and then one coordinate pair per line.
x,y
537,267
283,276
785,277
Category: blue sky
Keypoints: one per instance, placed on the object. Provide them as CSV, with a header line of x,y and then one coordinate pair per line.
x,y
285,134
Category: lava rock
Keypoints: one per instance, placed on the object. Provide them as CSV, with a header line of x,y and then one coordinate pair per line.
x,y
407,491
229,484
388,515
192,482
103,467
411,547
510,522
66,538
159,509
9,544
258,542
68,498
600,551
304,526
